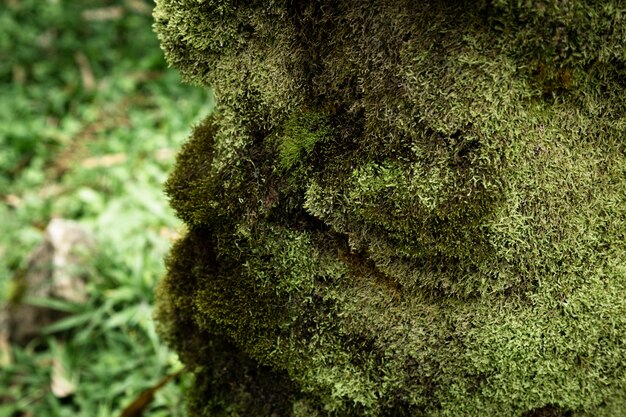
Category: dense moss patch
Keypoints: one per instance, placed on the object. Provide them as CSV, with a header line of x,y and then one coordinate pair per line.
x,y
401,209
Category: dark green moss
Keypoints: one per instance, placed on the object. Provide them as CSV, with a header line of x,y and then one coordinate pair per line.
x,y
401,208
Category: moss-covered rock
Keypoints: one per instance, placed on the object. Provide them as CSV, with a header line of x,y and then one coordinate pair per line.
x,y
401,208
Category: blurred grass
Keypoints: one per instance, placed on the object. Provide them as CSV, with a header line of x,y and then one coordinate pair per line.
x,y
90,120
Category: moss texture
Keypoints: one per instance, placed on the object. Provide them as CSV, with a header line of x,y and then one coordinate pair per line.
x,y
401,208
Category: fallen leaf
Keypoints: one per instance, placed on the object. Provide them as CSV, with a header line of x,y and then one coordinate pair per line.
x,y
139,7
61,384
137,407
5,348
104,161
165,154
86,73
13,200
104,13
167,233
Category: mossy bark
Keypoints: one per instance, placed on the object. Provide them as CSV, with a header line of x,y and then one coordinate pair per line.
x,y
401,208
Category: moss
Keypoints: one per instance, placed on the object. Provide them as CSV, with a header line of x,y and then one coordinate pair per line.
x,y
401,209
302,132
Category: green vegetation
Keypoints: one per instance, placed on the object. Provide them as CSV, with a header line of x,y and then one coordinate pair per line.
x,y
301,135
401,208
90,121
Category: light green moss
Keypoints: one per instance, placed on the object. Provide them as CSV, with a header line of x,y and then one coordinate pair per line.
x,y
302,132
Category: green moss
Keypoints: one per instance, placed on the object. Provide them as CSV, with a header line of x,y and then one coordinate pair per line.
x,y
302,132
401,209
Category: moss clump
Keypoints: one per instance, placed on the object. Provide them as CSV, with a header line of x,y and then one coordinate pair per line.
x,y
401,209
302,132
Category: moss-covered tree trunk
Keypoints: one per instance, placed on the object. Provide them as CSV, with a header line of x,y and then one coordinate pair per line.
x,y
401,208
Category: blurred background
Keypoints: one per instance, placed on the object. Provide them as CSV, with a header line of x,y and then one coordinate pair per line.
x,y
90,121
